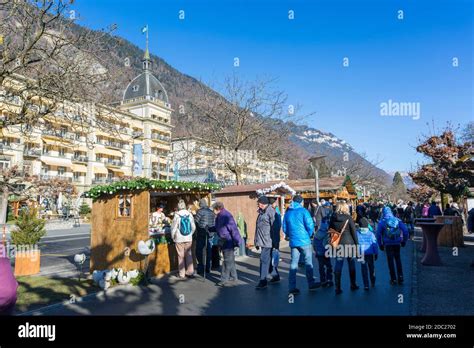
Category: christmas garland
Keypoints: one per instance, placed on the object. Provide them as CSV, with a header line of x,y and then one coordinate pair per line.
x,y
275,187
141,184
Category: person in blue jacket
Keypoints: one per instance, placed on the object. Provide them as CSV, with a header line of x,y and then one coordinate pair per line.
x,y
391,234
298,227
369,249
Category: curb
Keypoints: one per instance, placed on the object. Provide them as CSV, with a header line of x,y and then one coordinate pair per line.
x,y
414,282
44,310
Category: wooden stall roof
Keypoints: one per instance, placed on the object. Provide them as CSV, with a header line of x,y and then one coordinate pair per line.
x,y
247,189
325,184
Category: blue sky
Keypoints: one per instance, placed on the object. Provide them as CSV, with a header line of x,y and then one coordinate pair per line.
x,y
407,60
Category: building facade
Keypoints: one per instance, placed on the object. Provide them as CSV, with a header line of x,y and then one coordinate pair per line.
x,y
199,160
137,141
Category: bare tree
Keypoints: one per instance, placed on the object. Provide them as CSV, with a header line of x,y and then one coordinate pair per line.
x,y
247,121
51,69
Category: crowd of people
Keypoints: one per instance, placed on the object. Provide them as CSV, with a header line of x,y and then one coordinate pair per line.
x,y
362,233
365,231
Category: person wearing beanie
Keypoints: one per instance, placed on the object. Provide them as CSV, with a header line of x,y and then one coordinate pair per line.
x,y
298,227
368,250
263,237
204,220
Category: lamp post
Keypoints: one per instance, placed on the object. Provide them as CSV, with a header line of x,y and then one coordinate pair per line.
x,y
314,161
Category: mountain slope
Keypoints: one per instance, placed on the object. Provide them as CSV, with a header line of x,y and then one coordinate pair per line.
x,y
303,142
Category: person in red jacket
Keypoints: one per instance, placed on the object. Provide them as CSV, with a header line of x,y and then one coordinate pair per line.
x,y
8,284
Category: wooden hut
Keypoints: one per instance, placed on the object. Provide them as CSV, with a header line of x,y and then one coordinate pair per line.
x,y
243,199
120,219
335,188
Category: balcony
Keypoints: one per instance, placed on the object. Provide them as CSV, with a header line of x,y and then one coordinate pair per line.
x,y
32,152
114,144
58,133
157,136
52,177
112,162
137,134
98,181
82,159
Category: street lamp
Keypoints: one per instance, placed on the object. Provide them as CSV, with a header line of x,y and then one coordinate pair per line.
x,y
314,162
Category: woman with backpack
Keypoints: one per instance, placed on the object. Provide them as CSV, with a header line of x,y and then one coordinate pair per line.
x,y
342,222
182,230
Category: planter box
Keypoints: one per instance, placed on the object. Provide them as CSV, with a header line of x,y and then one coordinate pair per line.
x,y
27,263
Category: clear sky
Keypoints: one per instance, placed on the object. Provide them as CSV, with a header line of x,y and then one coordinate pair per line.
x,y
406,60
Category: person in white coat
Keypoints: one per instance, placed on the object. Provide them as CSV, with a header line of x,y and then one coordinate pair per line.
x,y
182,230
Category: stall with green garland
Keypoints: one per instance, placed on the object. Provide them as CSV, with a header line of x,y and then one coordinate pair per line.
x,y
122,218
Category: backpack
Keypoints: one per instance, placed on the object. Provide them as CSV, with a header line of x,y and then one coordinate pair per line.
x,y
185,225
392,228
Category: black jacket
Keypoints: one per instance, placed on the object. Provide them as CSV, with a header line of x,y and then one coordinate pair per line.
x,y
204,220
350,234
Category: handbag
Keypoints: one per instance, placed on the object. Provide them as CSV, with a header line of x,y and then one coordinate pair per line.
x,y
335,236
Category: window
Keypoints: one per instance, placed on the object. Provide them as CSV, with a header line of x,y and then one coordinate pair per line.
x,y
61,171
46,149
44,170
4,164
62,152
125,206
77,176
135,88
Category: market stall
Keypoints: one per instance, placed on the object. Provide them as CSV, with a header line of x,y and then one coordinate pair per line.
x,y
242,199
334,188
122,218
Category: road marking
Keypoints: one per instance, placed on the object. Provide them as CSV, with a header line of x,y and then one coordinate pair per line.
x,y
62,240
67,235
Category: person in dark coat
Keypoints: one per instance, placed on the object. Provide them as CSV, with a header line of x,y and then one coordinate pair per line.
x,y
263,237
8,285
229,239
347,249
204,220
276,231
434,210
470,221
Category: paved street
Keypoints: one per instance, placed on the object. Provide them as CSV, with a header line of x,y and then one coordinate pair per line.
x,y
59,246
197,297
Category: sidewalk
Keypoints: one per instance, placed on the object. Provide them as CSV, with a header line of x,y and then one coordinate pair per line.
x,y
446,289
198,297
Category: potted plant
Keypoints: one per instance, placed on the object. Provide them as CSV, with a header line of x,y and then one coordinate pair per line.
x,y
29,229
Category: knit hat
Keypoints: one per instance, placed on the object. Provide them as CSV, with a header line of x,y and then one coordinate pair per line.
x,y
263,200
297,199
363,223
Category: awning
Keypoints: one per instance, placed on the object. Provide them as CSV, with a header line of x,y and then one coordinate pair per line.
x,y
80,148
79,168
32,140
100,170
51,142
160,146
58,162
117,170
9,134
108,152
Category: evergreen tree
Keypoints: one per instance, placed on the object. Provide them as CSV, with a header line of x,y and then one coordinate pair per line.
x,y
29,228
399,191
